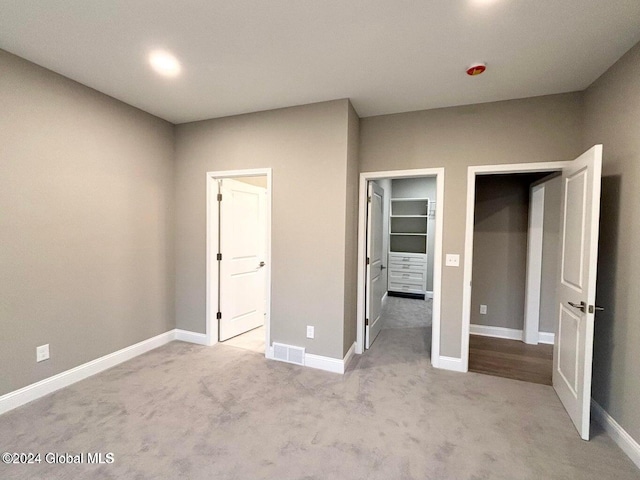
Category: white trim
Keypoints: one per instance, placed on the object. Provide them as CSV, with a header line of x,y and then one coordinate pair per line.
x,y
535,235
547,338
468,240
191,337
428,294
349,356
211,297
496,332
618,434
320,362
44,387
323,363
451,363
437,261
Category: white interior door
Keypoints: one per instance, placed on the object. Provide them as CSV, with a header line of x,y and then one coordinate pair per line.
x,y
573,349
242,246
375,268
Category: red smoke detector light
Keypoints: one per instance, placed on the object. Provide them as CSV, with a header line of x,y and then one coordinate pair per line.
x,y
476,69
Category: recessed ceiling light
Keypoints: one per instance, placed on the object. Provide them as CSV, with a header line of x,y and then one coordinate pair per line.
x,y
164,63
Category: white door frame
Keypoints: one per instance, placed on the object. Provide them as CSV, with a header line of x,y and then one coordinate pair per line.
x,y
213,222
535,237
437,261
472,172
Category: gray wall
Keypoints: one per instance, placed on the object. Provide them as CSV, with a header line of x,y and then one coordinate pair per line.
x,y
612,117
550,254
500,250
86,195
501,229
307,148
423,187
258,181
547,128
351,231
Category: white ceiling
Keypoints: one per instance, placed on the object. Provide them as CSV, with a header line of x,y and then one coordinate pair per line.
x,y
387,56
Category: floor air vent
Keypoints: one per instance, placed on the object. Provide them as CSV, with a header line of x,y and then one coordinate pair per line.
x,y
288,353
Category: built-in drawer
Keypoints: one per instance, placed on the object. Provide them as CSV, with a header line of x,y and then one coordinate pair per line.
x,y
405,287
406,267
395,258
406,276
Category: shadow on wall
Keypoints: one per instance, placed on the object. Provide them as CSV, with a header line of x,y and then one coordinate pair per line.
x,y
603,343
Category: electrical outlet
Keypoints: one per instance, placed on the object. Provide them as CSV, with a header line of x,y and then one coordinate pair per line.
x,y
452,260
310,331
483,309
42,353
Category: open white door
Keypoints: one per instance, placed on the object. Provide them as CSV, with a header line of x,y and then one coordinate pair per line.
x,y
375,268
242,247
573,349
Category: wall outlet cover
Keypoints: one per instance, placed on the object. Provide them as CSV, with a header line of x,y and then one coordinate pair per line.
x,y
42,353
483,309
310,331
452,260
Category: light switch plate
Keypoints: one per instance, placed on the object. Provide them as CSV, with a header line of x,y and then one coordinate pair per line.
x,y
483,309
310,331
42,353
452,260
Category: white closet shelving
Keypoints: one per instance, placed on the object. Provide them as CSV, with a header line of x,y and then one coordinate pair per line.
x,y
408,241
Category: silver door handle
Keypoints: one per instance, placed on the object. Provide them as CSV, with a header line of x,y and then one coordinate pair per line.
x,y
262,264
594,308
582,306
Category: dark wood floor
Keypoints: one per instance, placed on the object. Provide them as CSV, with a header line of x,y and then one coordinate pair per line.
x,y
511,359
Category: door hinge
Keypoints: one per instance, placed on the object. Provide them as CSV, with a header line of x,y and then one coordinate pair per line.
x,y
367,260
369,199
366,322
219,257
219,197
218,315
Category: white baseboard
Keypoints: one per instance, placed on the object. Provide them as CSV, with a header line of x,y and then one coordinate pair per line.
x,y
497,332
616,432
450,363
508,333
320,362
323,363
39,389
546,337
191,337
349,356
428,295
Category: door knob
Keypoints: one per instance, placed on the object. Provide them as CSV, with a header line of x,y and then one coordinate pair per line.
x,y
582,306
382,267
593,308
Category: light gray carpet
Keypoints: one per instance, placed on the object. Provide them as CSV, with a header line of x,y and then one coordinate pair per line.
x,y
398,312
186,411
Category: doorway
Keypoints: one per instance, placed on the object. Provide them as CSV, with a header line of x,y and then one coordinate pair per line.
x,y
576,280
399,253
516,224
239,258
